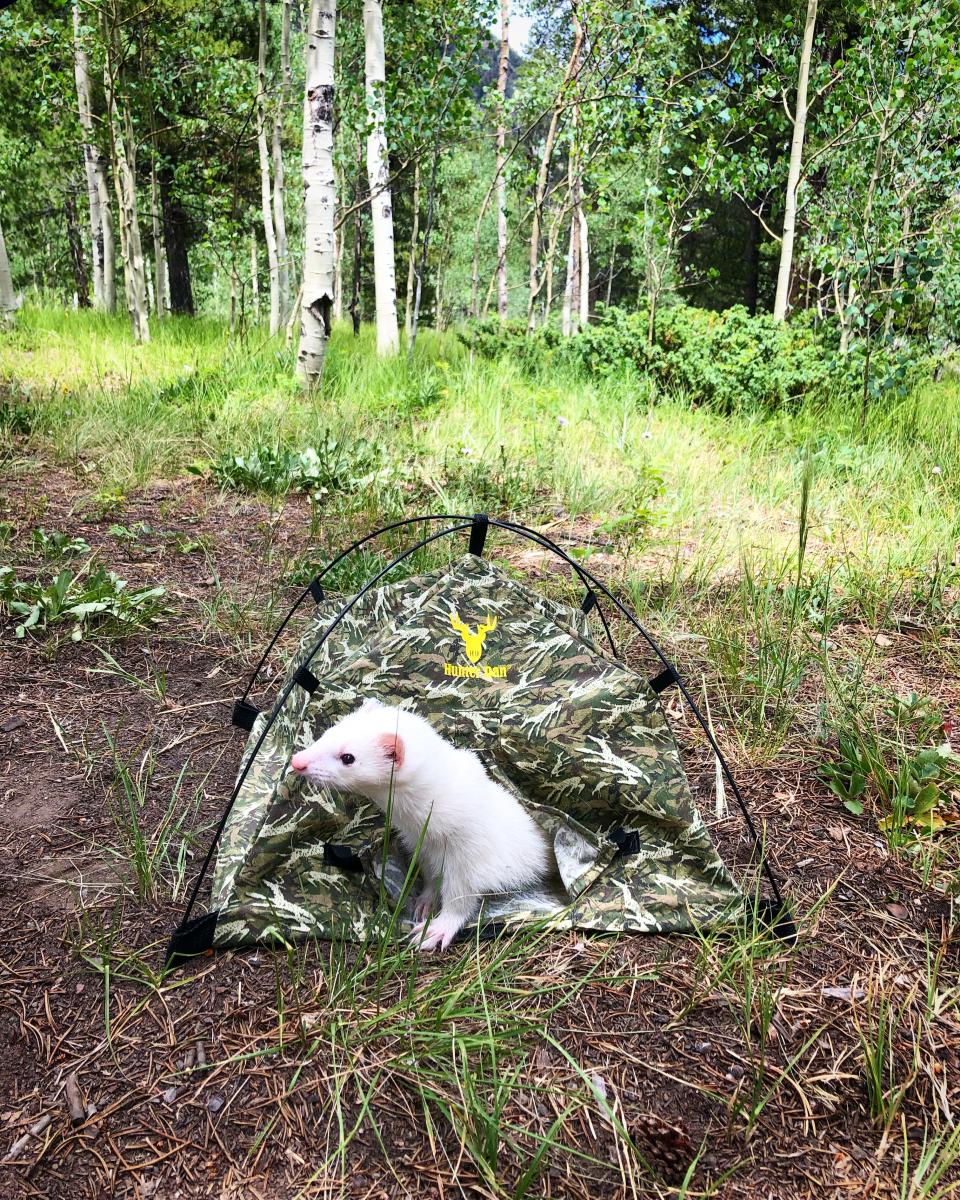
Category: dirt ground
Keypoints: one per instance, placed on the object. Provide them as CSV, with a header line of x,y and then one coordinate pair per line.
x,y
152,1123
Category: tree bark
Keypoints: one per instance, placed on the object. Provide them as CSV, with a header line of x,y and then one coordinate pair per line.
x,y
378,174
584,266
781,302
159,250
266,208
319,192
254,276
102,248
502,295
543,172
78,260
123,153
425,248
357,245
279,185
412,255
8,297
175,244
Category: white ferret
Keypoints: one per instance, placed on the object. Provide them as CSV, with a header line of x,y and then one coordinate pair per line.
x,y
477,838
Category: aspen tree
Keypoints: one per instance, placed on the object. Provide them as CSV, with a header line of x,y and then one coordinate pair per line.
x,y
103,250
378,178
796,162
319,192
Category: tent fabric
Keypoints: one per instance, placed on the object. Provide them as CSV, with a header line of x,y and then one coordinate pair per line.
x,y
579,739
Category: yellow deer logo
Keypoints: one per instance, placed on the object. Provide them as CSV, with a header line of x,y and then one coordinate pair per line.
x,y
473,642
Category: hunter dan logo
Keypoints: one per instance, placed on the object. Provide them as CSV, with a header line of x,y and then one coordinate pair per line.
x,y
473,648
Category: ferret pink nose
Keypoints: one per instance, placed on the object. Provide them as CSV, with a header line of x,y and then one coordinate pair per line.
x,y
299,762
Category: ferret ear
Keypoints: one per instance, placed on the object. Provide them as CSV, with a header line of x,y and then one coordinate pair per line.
x,y
392,746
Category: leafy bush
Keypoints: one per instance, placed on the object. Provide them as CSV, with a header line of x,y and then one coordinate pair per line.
x,y
333,465
82,598
729,360
55,545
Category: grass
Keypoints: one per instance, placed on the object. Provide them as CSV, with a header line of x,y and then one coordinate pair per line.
x,y
800,568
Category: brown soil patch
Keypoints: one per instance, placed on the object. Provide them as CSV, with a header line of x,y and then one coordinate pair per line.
x,y
677,1074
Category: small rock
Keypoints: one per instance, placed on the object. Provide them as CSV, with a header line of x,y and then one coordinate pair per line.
x,y
215,1103
882,641
842,993
900,911
735,1073
9,724
701,1047
170,1095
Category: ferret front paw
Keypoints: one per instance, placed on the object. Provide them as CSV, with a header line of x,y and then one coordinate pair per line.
x,y
439,933
424,904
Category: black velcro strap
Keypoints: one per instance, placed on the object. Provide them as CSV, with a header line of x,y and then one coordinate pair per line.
x,y
627,841
478,533
244,714
664,680
589,601
193,938
341,856
316,591
307,680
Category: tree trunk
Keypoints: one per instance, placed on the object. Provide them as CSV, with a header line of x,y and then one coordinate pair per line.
x,y
425,248
412,255
266,209
502,296
159,250
175,244
123,153
610,269
571,293
8,297
357,245
279,186
339,238
780,304
540,191
254,276
102,249
378,177
584,267
78,260
319,192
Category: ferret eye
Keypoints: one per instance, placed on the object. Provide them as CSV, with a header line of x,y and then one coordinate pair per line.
x,y
347,759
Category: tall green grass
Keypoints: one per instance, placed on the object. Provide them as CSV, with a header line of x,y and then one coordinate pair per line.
x,y
465,429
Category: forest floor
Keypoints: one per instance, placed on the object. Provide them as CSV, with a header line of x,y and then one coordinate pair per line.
x,y
822,630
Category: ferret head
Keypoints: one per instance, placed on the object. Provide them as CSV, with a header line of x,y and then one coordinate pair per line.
x,y
363,752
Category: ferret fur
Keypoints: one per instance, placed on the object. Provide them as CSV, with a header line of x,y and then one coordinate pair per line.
x,y
477,839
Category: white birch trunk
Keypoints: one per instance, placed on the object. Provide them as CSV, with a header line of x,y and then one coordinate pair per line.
x,y
502,295
412,256
102,250
266,207
796,162
319,192
123,147
161,286
279,185
584,267
8,297
254,276
378,176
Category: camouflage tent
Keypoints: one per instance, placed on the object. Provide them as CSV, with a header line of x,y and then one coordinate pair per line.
x,y
576,735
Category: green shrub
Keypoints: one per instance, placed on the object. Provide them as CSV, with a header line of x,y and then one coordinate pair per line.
x,y
729,360
275,470
83,598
